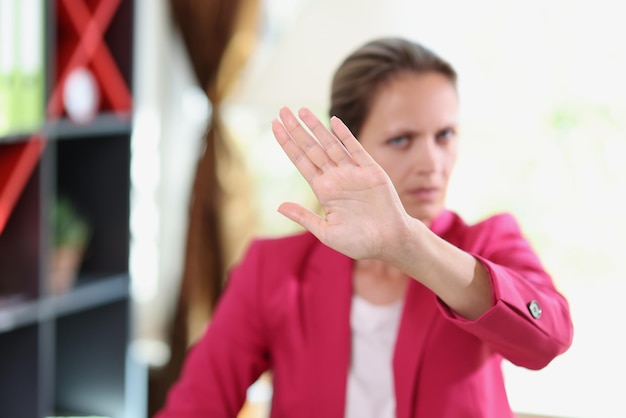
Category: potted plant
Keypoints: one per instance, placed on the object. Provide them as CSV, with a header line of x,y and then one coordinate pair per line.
x,y
71,233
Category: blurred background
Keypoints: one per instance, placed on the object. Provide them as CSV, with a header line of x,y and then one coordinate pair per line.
x,y
543,136
543,119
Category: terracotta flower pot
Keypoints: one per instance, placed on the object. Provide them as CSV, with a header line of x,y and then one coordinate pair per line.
x,y
64,265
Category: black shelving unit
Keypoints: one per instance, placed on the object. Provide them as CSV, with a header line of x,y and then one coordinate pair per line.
x,y
67,353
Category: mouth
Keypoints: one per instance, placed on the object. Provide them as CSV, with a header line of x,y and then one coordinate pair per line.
x,y
424,193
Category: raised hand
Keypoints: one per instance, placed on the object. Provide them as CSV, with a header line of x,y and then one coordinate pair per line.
x,y
363,213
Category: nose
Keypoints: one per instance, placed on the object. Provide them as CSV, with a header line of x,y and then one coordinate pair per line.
x,y
426,155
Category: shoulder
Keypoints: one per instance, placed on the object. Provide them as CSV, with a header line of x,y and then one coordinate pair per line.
x,y
452,221
503,222
288,244
286,251
493,229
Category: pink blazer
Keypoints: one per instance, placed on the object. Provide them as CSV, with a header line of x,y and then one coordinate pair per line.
x,y
287,305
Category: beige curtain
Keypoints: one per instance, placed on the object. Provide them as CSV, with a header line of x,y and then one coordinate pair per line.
x,y
219,36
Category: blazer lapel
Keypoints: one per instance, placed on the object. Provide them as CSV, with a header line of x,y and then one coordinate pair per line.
x,y
417,318
327,286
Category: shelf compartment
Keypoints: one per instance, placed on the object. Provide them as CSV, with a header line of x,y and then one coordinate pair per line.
x,y
17,162
19,377
20,243
95,176
85,32
91,353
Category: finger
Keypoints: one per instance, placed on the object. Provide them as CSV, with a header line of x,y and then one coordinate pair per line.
x,y
354,147
293,151
304,217
313,149
333,146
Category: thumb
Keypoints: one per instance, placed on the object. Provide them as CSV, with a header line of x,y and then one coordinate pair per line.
x,y
304,217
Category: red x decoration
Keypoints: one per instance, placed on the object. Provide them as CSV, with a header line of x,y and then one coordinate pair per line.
x,y
89,50
17,162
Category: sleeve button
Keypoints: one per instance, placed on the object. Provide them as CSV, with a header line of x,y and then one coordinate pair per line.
x,y
535,309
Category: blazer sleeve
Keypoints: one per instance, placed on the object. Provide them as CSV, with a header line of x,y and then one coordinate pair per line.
x,y
530,322
231,354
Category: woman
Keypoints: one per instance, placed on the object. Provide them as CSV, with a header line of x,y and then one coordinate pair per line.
x,y
389,305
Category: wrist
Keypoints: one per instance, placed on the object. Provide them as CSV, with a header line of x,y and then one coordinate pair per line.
x,y
404,242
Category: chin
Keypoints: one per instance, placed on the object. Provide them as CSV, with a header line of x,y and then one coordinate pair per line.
x,y
425,213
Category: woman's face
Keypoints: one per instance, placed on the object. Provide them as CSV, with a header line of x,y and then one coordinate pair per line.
x,y
411,131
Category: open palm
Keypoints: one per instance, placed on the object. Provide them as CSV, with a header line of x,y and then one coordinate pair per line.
x,y
362,209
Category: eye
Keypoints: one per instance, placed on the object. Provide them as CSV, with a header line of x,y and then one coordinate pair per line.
x,y
399,141
445,135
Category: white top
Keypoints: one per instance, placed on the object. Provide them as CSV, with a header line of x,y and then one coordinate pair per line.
x,y
370,392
